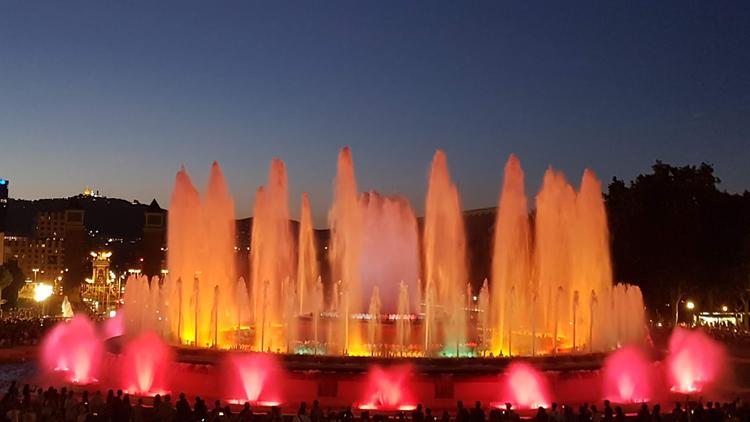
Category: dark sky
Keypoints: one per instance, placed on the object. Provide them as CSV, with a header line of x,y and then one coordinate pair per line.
x,y
117,95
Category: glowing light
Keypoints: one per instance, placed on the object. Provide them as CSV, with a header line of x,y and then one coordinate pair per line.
x,y
112,313
42,292
690,305
725,308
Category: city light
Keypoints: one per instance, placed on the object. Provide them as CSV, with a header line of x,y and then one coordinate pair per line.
x,y
112,313
725,308
42,292
690,305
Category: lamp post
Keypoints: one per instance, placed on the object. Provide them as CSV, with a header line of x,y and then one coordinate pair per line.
x,y
690,306
42,292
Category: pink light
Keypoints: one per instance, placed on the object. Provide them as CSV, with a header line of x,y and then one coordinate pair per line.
x,y
387,388
525,387
626,376
695,360
147,363
73,349
254,378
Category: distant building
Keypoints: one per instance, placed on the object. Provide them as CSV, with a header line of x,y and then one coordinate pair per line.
x,y
76,258
154,245
40,257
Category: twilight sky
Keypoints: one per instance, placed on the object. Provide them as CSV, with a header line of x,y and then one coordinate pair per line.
x,y
116,95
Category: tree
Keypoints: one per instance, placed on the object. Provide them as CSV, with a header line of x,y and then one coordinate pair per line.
x,y
6,279
10,293
674,228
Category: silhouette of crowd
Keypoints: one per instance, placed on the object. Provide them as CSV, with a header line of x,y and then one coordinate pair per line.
x,y
23,331
65,405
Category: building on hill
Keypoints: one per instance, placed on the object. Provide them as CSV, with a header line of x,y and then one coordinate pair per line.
x,y
154,240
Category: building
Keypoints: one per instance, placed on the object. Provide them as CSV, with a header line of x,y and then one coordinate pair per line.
x,y
42,256
154,233
3,214
76,248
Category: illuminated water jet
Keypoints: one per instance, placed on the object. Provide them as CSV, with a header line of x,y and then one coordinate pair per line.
x,y
695,361
627,376
388,389
256,378
524,387
73,349
146,366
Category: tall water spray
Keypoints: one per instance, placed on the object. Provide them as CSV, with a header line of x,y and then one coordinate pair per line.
x,y
390,233
200,258
272,259
550,289
556,292
444,248
511,261
345,221
307,262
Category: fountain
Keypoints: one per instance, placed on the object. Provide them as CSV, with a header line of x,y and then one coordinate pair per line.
x,y
256,378
551,289
553,286
627,376
695,361
388,389
444,244
524,387
74,350
146,367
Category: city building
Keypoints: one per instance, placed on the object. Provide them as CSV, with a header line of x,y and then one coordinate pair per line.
x,y
45,256
40,257
154,245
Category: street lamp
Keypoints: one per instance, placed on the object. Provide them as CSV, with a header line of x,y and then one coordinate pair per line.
x,y
42,292
724,308
690,305
35,271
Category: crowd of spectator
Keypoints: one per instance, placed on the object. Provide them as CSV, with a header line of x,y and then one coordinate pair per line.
x,y
51,405
23,331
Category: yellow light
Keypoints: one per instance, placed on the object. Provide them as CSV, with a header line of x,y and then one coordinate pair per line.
x,y
42,292
725,308
690,305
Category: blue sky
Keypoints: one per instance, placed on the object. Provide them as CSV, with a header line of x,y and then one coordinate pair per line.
x,y
116,95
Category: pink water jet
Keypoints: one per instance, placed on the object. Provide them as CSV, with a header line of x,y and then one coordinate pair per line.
x,y
147,364
113,327
253,377
525,387
74,349
389,233
627,376
388,389
695,360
